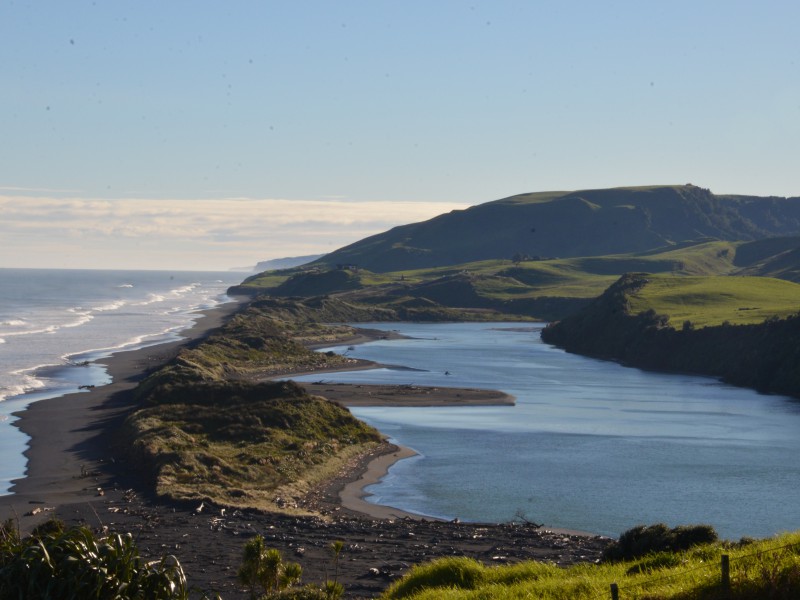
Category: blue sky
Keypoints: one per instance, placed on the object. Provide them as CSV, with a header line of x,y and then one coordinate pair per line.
x,y
383,112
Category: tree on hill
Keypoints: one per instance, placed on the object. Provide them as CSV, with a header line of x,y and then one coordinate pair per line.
x,y
519,257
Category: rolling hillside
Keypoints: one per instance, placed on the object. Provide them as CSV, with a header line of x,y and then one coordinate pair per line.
x,y
544,289
572,224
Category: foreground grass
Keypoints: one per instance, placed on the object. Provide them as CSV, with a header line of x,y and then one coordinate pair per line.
x,y
764,569
54,562
710,301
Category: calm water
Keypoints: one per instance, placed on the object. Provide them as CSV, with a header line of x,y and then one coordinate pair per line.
x,y
590,445
51,320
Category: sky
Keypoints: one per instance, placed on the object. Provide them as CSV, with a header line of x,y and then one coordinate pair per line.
x,y
210,135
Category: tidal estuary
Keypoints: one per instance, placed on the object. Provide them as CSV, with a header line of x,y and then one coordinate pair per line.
x,y
590,445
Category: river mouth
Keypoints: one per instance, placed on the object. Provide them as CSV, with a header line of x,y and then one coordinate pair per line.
x,y
590,445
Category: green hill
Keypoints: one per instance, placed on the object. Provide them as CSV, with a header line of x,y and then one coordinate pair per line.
x,y
546,255
572,224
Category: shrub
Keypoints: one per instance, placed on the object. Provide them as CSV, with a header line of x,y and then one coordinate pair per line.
x,y
648,539
263,569
73,563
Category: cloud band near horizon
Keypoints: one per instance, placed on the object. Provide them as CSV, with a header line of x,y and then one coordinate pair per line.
x,y
47,232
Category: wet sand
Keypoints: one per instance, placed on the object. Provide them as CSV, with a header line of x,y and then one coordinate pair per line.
x,y
406,395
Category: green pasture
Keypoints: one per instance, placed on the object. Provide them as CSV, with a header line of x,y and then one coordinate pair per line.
x,y
708,301
693,281
583,277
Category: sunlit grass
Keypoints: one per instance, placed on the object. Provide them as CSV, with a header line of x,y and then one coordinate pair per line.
x,y
503,280
708,301
582,277
765,569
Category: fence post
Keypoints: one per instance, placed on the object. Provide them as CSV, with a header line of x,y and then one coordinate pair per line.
x,y
725,580
614,592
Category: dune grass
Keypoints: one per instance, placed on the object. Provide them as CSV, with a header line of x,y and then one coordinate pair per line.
x,y
764,569
211,428
248,446
710,301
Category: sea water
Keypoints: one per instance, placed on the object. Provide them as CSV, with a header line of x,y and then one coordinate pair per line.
x,y
590,445
54,325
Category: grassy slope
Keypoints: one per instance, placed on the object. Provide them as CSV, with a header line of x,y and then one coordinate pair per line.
x,y
710,301
581,223
577,277
545,289
765,569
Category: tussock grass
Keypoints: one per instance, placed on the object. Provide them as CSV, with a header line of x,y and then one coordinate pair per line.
x,y
764,569
244,446
211,429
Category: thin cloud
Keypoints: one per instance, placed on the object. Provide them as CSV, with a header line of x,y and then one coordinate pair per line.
x,y
149,233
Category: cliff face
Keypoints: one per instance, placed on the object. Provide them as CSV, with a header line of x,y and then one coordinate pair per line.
x,y
765,357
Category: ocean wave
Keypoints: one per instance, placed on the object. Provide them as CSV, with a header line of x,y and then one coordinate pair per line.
x,y
25,370
134,343
125,285
82,316
151,299
184,289
13,323
82,320
2,341
111,306
28,383
48,329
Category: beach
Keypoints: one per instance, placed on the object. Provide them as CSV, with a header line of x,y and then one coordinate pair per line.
x,y
73,474
68,456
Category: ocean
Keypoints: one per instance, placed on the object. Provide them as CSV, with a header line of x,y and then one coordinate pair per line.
x,y
55,323
590,445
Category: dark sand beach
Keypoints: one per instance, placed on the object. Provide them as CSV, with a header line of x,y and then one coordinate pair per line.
x,y
73,475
